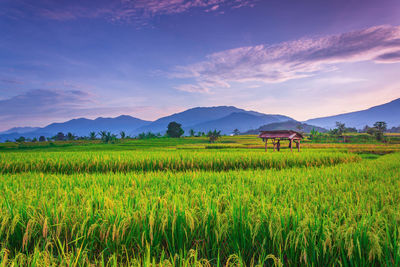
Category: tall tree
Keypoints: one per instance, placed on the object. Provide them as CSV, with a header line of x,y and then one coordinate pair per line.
x,y
60,136
70,136
21,139
381,128
175,130
341,127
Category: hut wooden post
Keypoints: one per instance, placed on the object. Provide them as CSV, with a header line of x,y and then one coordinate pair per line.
x,y
273,142
266,144
290,145
278,145
298,145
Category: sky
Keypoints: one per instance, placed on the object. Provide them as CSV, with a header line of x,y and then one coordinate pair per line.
x,y
68,59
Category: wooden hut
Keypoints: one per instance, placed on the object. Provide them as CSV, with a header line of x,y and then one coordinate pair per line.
x,y
277,136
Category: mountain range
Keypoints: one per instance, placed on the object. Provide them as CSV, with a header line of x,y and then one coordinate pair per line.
x,y
200,119
389,112
223,118
203,119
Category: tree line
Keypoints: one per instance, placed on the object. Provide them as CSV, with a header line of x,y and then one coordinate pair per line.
x,y
378,130
174,130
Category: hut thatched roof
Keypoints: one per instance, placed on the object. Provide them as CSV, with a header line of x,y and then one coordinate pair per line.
x,y
281,134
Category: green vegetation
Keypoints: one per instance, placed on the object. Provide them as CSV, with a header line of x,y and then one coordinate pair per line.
x,y
175,201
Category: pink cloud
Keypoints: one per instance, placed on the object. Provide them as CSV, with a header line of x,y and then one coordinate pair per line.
x,y
292,60
192,88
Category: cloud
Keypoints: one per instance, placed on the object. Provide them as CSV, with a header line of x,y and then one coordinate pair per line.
x,y
392,57
339,80
42,103
202,87
138,11
40,107
192,88
291,60
11,81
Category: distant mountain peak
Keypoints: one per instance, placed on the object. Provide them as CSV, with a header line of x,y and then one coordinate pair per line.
x,y
209,118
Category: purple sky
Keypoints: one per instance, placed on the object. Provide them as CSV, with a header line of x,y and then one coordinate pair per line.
x,y
67,59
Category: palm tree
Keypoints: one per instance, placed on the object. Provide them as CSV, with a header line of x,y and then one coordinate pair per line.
x,y
92,135
122,134
107,137
103,135
192,132
236,132
213,135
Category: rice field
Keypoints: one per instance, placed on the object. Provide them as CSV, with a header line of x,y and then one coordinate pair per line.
x,y
169,206
164,160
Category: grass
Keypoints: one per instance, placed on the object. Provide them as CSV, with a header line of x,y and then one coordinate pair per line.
x,y
183,205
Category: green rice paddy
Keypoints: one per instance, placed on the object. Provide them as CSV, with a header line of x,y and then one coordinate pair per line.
x,y
178,203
